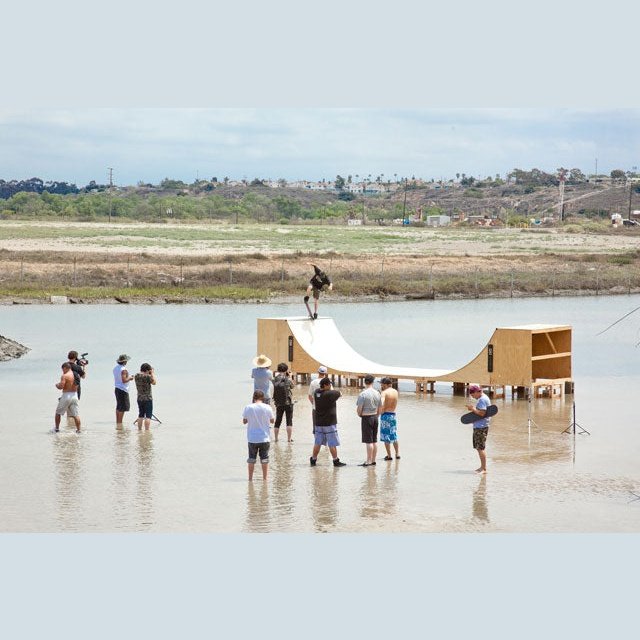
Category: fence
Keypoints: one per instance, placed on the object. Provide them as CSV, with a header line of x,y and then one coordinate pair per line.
x,y
413,276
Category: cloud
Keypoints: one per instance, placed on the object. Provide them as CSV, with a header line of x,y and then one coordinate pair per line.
x,y
79,145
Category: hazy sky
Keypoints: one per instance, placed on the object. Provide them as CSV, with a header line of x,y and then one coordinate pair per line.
x,y
78,145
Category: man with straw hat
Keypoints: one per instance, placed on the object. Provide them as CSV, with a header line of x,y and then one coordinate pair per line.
x,y
262,376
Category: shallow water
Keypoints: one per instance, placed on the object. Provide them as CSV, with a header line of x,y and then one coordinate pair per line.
x,y
189,473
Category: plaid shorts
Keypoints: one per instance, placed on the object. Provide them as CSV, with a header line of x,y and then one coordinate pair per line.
x,y
480,438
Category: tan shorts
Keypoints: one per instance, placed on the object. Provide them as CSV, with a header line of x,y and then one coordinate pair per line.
x,y
68,403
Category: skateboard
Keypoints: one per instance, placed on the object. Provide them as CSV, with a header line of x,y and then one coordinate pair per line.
x,y
306,304
471,417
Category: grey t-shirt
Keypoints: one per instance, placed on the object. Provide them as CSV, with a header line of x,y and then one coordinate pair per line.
x,y
369,400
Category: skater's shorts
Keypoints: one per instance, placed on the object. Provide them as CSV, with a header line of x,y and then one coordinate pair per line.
x,y
327,436
480,438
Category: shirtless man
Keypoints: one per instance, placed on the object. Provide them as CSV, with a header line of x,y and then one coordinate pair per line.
x,y
387,410
68,402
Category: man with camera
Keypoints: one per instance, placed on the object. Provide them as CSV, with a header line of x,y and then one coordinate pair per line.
x,y
283,399
77,365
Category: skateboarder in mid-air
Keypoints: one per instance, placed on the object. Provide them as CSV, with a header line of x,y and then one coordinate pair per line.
x,y
319,280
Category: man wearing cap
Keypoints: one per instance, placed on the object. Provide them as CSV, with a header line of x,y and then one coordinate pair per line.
x,y
121,379
388,421
262,377
326,429
481,425
313,387
367,406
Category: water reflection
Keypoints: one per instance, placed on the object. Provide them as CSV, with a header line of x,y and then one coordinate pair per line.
x,y
325,489
281,472
258,515
144,490
122,474
68,459
479,504
379,490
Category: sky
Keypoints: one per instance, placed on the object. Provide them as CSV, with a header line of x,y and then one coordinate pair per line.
x,y
148,144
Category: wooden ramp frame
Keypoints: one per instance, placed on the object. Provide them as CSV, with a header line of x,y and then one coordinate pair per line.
x,y
534,356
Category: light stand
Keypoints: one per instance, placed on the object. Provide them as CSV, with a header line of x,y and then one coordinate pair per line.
x,y
573,424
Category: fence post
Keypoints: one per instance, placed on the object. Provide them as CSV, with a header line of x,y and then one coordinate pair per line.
x,y
512,283
382,271
553,284
74,271
598,281
128,271
477,295
21,268
431,277
230,273
282,271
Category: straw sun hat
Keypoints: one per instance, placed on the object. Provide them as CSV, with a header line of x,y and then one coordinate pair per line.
x,y
262,361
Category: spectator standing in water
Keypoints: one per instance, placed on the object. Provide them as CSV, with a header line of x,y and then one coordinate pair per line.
x,y
388,421
144,379
258,417
262,376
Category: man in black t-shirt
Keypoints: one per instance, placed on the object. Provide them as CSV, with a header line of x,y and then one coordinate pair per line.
x,y
326,428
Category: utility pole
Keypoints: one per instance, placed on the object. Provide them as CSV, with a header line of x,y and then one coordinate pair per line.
x,y
562,178
404,204
110,193
630,194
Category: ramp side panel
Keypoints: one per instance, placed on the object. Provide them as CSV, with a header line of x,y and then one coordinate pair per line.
x,y
511,361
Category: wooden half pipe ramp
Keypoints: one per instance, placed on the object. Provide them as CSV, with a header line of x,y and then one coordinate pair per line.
x,y
520,356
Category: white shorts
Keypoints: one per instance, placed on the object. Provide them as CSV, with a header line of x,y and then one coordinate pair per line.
x,y
68,402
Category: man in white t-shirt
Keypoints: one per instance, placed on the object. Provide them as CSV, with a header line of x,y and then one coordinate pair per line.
x,y
258,417
313,387
121,380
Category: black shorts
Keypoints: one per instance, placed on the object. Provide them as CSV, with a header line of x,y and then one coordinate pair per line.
x,y
145,409
369,425
258,448
122,400
283,410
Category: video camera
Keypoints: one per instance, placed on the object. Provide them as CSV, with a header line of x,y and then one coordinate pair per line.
x,y
82,360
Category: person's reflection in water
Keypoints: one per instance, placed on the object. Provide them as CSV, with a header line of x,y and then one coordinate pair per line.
x,y
68,461
370,495
480,509
324,492
258,519
144,492
282,483
389,488
123,475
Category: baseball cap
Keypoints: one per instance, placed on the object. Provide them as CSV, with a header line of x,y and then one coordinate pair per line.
x,y
474,387
322,369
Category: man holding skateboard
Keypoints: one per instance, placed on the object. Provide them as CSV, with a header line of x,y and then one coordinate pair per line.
x,y
481,425
319,280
